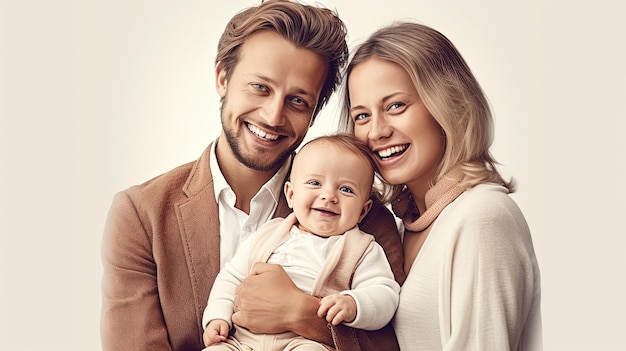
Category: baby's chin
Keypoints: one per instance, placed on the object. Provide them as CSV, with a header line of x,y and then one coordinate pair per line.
x,y
321,231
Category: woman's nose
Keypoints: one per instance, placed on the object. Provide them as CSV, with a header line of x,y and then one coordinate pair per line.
x,y
379,127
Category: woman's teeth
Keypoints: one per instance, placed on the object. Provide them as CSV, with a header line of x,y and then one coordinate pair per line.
x,y
388,152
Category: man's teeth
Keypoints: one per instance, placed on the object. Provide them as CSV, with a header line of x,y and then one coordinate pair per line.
x,y
261,134
392,150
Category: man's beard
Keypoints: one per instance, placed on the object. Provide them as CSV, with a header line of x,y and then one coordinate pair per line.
x,y
251,161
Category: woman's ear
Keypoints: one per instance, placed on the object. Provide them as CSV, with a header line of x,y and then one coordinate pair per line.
x,y
220,79
366,208
289,193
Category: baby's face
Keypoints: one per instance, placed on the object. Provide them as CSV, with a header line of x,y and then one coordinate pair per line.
x,y
329,189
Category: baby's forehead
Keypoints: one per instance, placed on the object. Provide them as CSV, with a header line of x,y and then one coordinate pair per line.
x,y
323,144
319,155
321,148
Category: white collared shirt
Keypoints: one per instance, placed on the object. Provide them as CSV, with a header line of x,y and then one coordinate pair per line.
x,y
235,225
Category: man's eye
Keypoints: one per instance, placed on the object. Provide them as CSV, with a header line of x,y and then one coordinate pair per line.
x,y
258,86
346,189
299,102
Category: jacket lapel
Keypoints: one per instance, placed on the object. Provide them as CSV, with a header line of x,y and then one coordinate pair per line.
x,y
198,222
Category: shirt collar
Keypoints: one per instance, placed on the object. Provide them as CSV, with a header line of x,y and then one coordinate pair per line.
x,y
219,182
274,185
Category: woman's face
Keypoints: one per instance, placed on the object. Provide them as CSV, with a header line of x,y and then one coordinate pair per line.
x,y
391,118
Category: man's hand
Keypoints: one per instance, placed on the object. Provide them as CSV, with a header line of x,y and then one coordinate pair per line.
x,y
337,308
268,302
266,299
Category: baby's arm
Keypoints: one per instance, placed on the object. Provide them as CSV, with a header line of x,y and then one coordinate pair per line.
x,y
337,308
374,291
218,312
216,331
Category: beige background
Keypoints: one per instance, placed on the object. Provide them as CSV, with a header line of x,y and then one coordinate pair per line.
x,y
98,95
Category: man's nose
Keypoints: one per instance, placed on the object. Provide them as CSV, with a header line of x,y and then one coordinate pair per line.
x,y
273,111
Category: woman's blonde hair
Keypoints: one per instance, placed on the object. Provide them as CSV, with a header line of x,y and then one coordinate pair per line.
x,y
449,91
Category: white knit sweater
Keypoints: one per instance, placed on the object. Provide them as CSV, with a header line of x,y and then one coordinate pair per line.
x,y
475,283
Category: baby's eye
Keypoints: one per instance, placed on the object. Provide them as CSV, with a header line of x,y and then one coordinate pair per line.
x,y
346,189
314,182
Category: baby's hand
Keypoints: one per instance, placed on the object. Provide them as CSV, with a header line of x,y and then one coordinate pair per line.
x,y
215,332
337,308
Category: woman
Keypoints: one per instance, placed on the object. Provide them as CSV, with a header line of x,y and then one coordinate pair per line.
x,y
473,278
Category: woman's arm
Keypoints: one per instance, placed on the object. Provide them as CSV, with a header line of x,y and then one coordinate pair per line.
x,y
494,279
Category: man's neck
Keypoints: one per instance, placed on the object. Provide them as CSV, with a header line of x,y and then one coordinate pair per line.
x,y
245,182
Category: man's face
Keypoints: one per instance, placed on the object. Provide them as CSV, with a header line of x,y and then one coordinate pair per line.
x,y
269,99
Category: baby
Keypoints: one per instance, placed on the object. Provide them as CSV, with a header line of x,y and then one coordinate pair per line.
x,y
319,245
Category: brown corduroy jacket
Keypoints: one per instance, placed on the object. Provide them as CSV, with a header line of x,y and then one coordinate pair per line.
x,y
160,256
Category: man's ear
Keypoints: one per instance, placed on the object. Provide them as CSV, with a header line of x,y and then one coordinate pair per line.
x,y
366,208
220,79
289,193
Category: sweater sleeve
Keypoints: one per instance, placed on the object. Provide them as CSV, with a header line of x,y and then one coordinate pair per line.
x,y
492,279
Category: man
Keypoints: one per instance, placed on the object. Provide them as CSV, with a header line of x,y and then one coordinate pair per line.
x,y
165,240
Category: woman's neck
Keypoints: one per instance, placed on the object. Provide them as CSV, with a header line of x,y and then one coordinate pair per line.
x,y
418,193
430,201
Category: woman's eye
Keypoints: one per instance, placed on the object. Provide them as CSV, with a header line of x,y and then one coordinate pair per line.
x,y
360,117
346,189
395,106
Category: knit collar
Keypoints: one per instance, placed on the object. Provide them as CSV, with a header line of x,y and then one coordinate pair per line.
x,y
437,198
